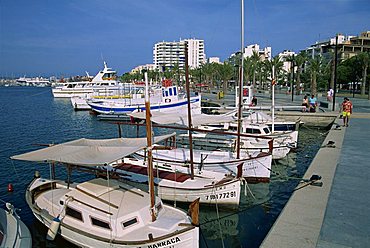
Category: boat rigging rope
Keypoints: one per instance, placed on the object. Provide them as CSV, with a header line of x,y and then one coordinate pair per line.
x,y
218,216
244,181
110,216
16,173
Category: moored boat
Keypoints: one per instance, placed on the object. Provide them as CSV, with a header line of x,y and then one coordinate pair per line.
x,y
104,212
104,81
255,168
13,232
212,188
163,99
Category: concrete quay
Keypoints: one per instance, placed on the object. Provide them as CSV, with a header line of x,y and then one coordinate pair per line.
x,y
334,215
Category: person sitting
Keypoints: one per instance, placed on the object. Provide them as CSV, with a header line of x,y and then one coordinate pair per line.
x,y
313,103
305,104
254,101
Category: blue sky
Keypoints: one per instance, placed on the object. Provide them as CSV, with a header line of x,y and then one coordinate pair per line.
x,y
69,37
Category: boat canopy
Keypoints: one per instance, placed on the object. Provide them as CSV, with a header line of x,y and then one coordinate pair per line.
x,y
89,152
197,119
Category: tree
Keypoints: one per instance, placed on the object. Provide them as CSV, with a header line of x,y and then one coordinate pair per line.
x,y
300,61
255,63
364,59
209,72
291,59
225,72
314,67
247,70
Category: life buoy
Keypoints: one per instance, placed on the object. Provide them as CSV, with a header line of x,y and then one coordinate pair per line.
x,y
167,100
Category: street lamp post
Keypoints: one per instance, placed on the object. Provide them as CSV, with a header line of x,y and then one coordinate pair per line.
x,y
293,78
335,70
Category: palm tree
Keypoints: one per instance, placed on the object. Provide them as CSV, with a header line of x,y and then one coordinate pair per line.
x,y
364,59
264,73
277,63
291,59
209,72
154,75
255,61
247,69
300,61
314,67
225,72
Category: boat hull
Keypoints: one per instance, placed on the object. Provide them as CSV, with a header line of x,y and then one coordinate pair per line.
x,y
212,188
115,108
184,236
13,232
188,238
255,169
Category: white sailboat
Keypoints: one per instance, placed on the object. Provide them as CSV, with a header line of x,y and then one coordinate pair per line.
x,y
104,212
13,232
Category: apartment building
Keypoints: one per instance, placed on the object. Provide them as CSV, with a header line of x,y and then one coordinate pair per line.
x,y
285,57
139,68
264,53
167,54
348,46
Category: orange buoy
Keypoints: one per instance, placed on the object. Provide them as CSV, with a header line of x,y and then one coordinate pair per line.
x,y
10,187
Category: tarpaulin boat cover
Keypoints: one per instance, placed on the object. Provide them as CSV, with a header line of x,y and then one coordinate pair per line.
x,y
89,152
197,119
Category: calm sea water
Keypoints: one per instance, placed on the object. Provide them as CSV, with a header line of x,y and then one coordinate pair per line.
x,y
31,116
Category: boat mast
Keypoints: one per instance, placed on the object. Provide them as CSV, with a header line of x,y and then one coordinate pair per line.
x,y
240,82
149,144
273,82
189,111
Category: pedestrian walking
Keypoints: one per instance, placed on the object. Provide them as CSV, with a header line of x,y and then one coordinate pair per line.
x,y
346,109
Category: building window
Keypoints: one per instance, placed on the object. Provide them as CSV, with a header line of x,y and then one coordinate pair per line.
x,y
100,223
74,213
252,130
129,222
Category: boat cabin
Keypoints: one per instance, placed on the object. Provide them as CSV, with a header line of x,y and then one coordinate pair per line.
x,y
169,94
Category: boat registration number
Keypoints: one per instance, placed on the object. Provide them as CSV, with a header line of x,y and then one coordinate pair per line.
x,y
224,195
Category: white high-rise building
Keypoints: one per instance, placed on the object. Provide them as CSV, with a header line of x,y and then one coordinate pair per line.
x,y
167,54
196,55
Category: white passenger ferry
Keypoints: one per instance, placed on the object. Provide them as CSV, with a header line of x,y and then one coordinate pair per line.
x,y
105,82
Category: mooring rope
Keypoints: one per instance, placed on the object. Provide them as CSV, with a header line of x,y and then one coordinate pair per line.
x,y
218,216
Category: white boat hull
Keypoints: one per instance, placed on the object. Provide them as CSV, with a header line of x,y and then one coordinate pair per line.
x,y
13,232
226,194
78,237
256,168
88,236
212,188
119,108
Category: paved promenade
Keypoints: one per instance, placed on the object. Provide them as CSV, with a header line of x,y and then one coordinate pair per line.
x,y
336,214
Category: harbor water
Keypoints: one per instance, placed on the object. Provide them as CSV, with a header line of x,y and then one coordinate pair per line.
x,y
32,118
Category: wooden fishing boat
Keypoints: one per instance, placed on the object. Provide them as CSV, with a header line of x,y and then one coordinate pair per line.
x,y
104,212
